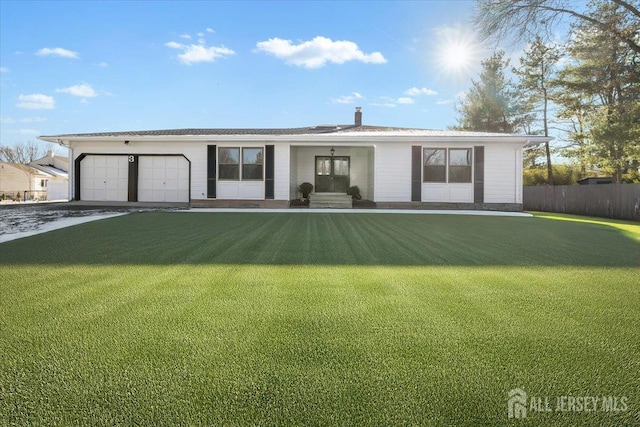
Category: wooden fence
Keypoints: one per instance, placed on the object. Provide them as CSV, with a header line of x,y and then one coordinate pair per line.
x,y
602,200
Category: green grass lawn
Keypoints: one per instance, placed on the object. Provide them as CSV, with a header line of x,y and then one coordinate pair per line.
x,y
318,319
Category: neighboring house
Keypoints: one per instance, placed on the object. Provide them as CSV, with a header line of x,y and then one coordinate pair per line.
x,y
42,179
58,168
391,166
23,182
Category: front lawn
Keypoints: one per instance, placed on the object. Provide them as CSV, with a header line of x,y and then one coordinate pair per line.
x,y
321,319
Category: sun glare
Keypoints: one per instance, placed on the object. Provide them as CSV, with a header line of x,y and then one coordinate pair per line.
x,y
457,54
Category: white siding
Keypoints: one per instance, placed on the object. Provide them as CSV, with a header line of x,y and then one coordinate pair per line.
x,y
371,175
450,193
502,175
293,173
281,176
393,172
58,189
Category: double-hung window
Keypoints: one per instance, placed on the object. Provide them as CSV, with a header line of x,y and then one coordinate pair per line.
x,y
460,165
447,165
229,164
232,166
252,160
435,165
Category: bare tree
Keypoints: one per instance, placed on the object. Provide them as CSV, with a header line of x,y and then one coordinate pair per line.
x,y
526,18
23,153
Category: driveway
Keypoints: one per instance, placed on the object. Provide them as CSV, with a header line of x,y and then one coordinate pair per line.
x,y
22,220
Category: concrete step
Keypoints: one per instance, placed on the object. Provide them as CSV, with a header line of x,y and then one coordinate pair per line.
x,y
329,196
330,201
330,205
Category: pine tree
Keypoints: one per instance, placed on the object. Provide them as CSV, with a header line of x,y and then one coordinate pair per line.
x,y
490,104
536,70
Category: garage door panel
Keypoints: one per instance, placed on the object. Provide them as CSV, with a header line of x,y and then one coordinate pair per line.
x,y
104,178
163,179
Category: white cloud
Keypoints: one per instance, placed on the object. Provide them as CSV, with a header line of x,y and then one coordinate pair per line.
x,y
405,101
317,52
194,53
83,90
210,30
385,104
4,70
347,99
57,51
185,36
101,64
36,101
414,91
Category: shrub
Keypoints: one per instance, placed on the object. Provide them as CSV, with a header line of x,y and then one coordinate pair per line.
x,y
305,188
354,192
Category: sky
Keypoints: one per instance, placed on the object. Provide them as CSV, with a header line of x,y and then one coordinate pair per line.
x,y
95,66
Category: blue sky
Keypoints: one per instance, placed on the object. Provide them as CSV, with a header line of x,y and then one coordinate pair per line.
x,y
70,67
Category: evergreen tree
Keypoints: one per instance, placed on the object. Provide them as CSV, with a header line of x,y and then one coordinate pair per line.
x,y
536,70
490,104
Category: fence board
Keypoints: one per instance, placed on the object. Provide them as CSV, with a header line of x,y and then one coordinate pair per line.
x,y
603,200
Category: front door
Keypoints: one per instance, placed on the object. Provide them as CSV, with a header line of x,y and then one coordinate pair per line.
x,y
332,174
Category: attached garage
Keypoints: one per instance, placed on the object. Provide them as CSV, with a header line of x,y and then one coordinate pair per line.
x,y
163,179
104,178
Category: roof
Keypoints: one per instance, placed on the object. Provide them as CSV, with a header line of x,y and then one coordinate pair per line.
x,y
29,169
324,130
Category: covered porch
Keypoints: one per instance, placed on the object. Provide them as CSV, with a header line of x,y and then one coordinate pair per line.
x,y
332,169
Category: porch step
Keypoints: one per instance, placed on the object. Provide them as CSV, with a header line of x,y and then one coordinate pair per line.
x,y
330,201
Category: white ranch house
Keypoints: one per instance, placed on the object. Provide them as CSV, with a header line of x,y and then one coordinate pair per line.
x,y
391,166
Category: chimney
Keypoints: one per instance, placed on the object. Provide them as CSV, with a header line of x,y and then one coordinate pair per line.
x,y
358,120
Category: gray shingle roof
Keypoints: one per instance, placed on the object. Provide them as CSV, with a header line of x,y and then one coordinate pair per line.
x,y
323,129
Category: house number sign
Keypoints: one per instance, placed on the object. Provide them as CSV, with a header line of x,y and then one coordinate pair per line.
x,y
132,159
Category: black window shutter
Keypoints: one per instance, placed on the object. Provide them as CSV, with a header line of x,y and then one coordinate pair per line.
x,y
269,172
478,174
211,171
416,175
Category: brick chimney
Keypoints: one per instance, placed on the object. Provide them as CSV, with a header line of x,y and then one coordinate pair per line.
x,y
358,119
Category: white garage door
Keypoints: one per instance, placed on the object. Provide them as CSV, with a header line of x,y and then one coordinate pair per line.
x,y
163,179
104,178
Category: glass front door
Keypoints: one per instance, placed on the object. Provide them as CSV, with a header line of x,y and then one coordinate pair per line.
x,y
332,174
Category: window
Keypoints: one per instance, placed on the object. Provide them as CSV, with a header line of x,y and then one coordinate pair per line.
x,y
451,165
435,165
231,169
229,164
43,183
460,165
252,159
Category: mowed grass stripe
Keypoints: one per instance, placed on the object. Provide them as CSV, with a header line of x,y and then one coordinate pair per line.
x,y
290,345
328,239
323,319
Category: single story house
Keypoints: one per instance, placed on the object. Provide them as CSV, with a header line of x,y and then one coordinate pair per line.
x,y
22,182
391,166
57,186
